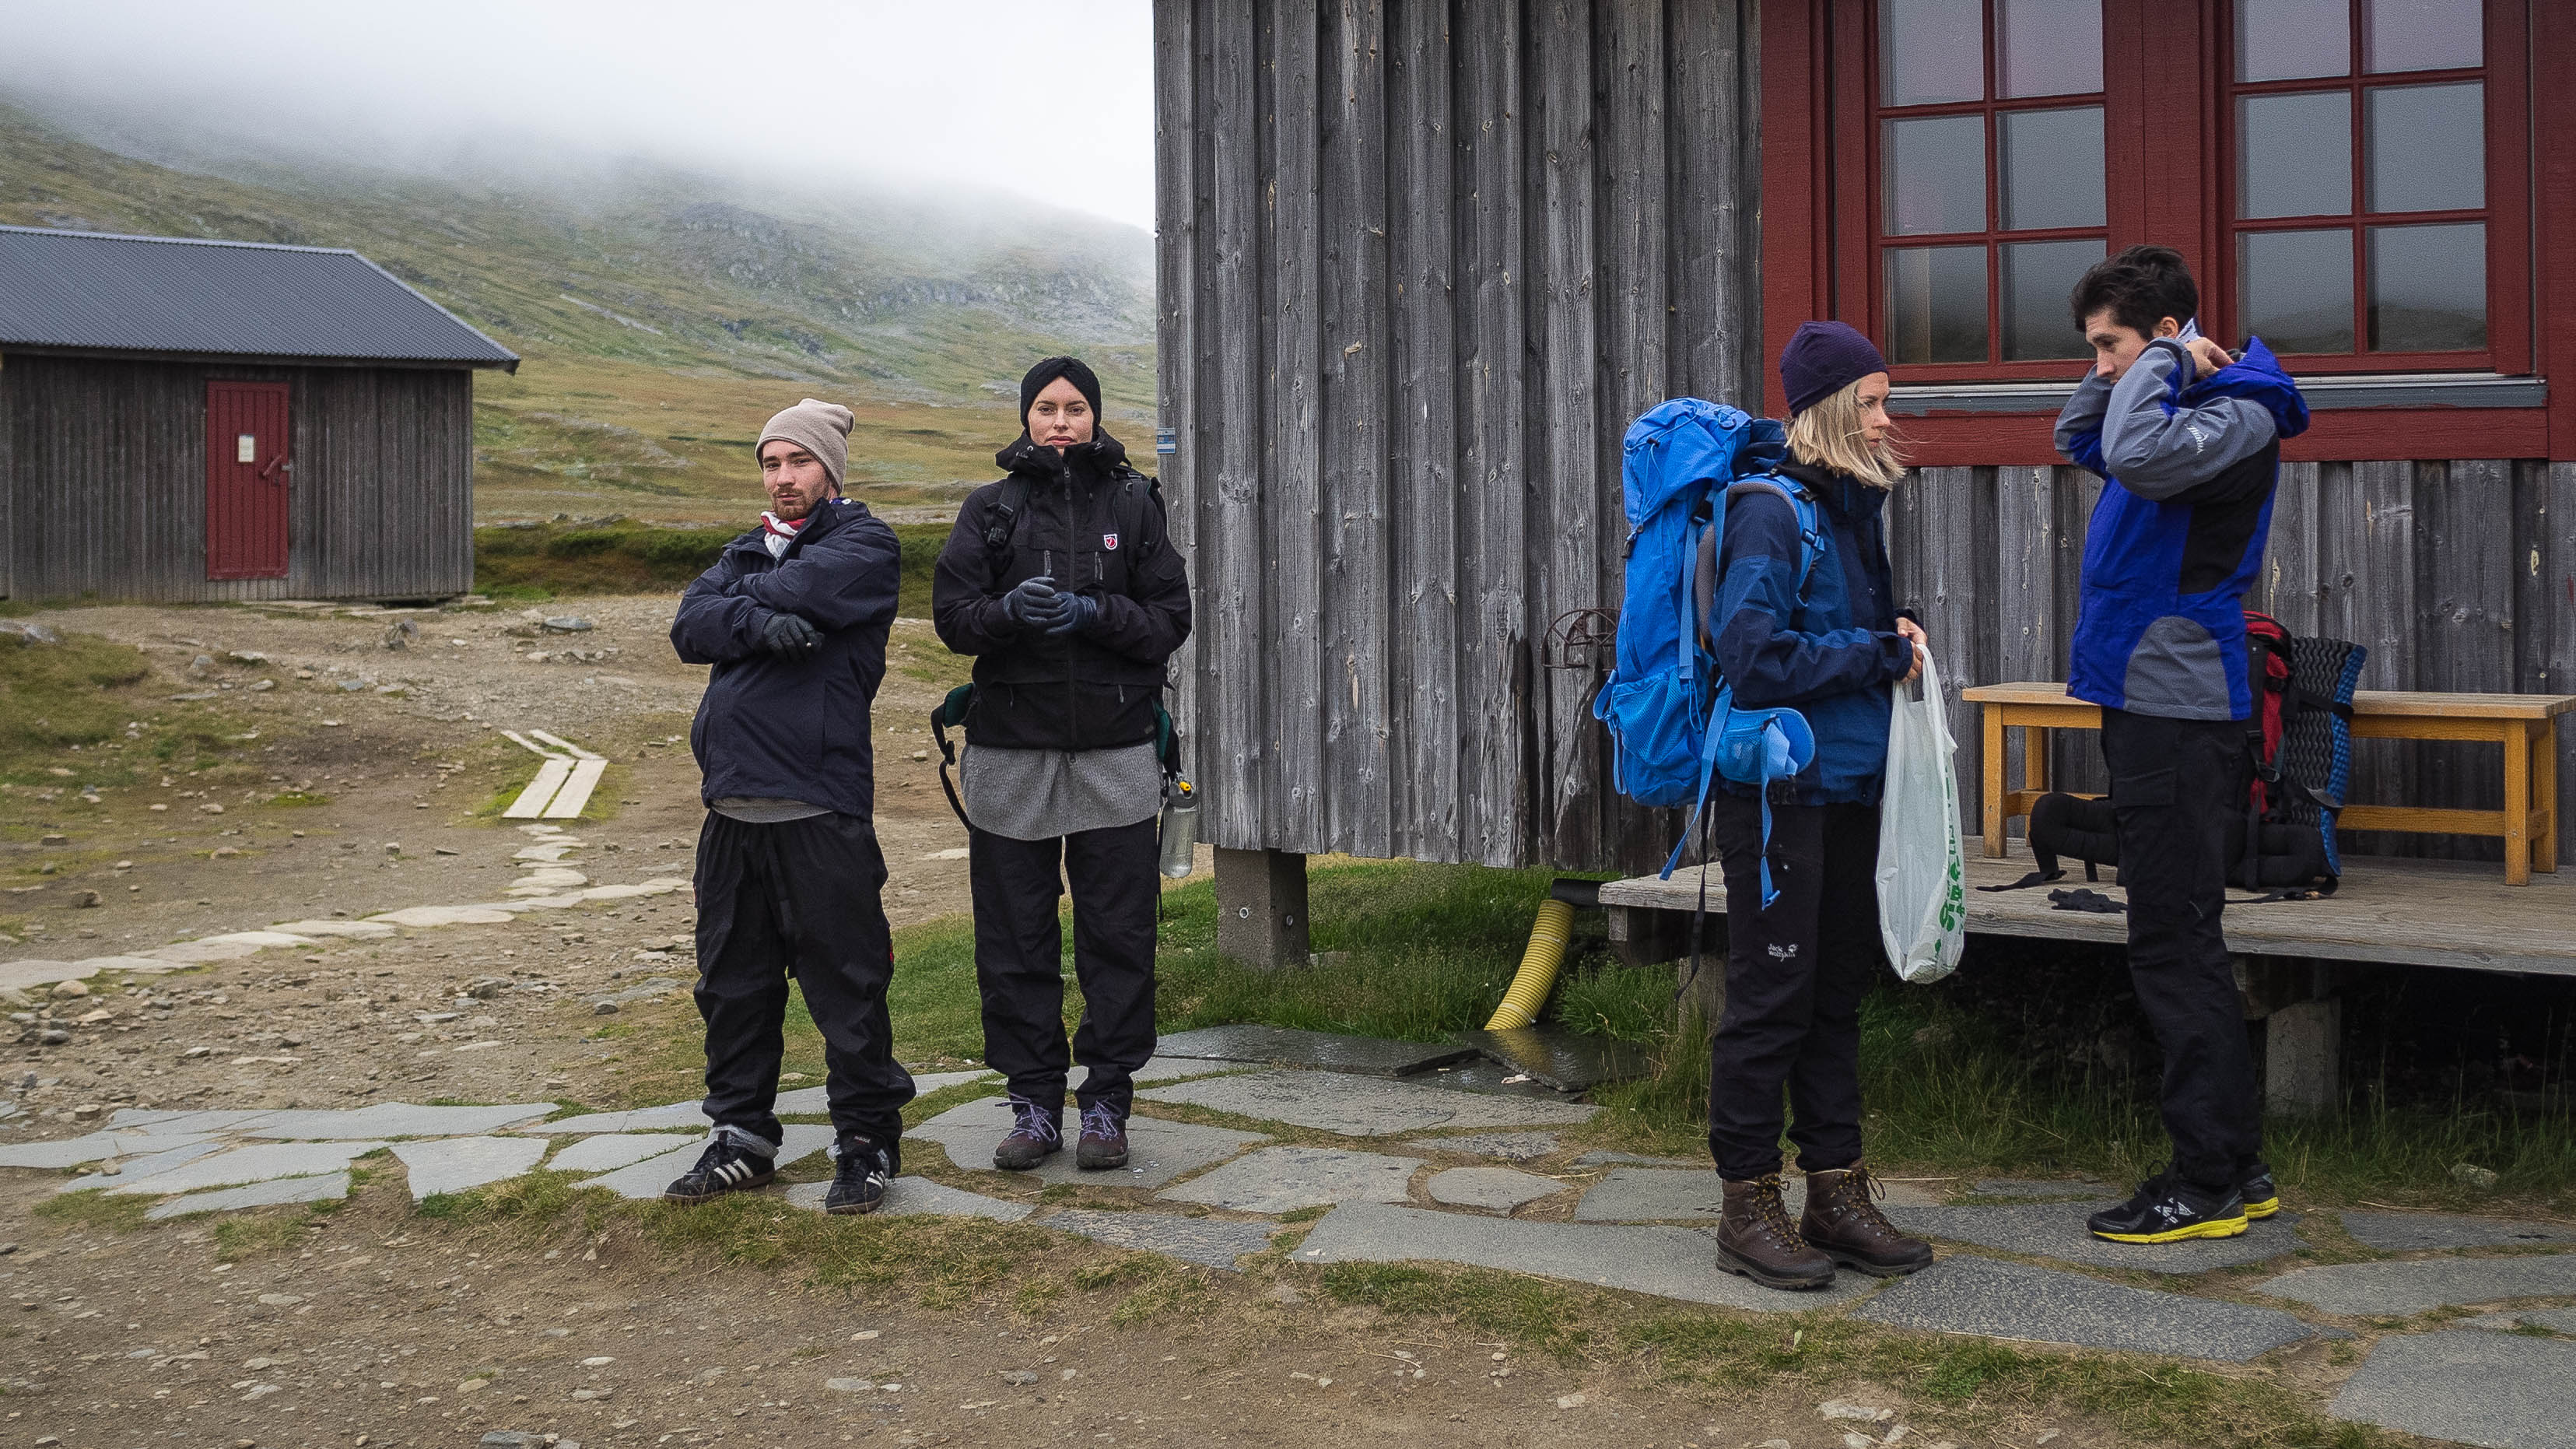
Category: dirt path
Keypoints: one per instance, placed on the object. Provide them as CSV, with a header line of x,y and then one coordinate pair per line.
x,y
376,1326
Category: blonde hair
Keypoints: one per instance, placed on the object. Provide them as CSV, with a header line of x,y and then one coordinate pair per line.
x,y
1828,435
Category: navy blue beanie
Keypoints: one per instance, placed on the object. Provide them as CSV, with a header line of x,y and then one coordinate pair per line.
x,y
1822,359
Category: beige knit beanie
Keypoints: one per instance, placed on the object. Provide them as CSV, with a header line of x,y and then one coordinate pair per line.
x,y
820,428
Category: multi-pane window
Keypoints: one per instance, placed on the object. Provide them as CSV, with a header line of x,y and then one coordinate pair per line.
x,y
2358,200
1986,125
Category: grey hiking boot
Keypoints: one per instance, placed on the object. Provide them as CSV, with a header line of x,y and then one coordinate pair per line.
x,y
1104,1139
1034,1136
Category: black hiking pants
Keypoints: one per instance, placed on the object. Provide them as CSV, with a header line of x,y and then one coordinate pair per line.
x,y
1795,976
800,898
2175,786
1019,954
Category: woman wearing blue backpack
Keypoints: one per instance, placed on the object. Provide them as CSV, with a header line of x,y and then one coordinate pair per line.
x,y
1797,967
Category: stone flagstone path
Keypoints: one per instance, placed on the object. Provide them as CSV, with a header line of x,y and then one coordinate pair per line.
x,y
1640,1224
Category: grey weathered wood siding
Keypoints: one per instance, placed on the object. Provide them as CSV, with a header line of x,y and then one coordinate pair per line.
x,y
2457,575
105,468
1420,264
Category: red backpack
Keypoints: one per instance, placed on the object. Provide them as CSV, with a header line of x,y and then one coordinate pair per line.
x,y
2267,672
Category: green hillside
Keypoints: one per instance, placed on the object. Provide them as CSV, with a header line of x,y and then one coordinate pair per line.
x,y
664,315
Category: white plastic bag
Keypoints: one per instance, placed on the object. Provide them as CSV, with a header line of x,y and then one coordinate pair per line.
x,y
1922,860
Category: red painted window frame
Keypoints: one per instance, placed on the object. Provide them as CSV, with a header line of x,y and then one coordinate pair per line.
x,y
1812,267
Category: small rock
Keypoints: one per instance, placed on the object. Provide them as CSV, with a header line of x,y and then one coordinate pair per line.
x,y
211,808
393,847
86,900
263,686
1571,1401
1861,1413
864,1335
568,624
597,1362
55,840
472,1386
1070,1374
86,1110
248,656
1859,1441
226,852
592,1393
441,850
2473,1177
856,1386
54,1036
70,990
2045,1436
1020,1377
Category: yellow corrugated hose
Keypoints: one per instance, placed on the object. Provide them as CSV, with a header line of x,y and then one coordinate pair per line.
x,y
1548,935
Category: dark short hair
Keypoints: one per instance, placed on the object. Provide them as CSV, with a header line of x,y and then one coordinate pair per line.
x,y
2140,287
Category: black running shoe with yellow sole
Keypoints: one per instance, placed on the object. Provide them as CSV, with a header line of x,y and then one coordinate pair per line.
x,y
2262,1198
2168,1210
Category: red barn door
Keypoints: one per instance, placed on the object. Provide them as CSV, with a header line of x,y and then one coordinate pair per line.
x,y
246,473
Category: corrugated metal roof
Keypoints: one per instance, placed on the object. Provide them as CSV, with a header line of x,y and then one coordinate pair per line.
x,y
81,289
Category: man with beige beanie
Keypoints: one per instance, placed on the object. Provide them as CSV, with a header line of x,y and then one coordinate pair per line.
x,y
794,617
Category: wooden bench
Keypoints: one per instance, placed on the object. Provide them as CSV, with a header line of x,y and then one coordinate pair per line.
x,y
2525,725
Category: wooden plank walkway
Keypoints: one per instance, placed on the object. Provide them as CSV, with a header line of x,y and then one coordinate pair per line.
x,y
2405,912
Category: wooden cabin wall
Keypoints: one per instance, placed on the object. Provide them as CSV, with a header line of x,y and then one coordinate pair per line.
x,y
107,477
2456,575
1420,264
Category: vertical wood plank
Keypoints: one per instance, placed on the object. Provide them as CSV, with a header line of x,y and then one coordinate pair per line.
x,y
1564,412
1292,488
2545,613
1354,594
1423,436
1496,735
1716,340
2026,606
1235,594
2463,629
1632,292
2368,548
1179,301
2289,589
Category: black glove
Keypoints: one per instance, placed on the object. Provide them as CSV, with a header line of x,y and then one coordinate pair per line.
x,y
1077,614
1035,604
790,637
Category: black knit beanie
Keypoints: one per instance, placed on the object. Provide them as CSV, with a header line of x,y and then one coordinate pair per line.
x,y
1069,368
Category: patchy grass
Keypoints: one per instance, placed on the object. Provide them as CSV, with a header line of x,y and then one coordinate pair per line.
x,y
542,560
95,1208
79,713
249,1235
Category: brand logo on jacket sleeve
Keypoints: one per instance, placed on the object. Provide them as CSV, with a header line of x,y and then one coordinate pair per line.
x,y
1109,541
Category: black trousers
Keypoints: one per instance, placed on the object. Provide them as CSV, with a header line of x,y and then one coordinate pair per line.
x,y
2174,785
1795,976
1019,953
802,899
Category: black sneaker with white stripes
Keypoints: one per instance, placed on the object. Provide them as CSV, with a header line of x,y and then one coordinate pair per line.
x,y
726,1166
859,1177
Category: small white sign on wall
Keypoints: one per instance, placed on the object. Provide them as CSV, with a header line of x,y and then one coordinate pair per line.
x,y
246,449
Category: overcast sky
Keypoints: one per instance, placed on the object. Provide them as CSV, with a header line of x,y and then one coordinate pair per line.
x,y
1046,100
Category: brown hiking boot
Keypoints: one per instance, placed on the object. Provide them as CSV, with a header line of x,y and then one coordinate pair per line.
x,y
1842,1223
1756,1239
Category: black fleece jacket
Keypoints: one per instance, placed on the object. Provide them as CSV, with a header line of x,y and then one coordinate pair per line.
x,y
1096,526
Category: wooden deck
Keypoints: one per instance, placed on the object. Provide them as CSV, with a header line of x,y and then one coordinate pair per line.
x,y
2407,912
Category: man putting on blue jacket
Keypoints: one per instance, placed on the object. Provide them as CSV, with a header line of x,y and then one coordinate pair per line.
x,y
2188,442
793,616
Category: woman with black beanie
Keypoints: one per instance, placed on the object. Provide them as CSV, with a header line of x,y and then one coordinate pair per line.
x,y
1824,638
1061,581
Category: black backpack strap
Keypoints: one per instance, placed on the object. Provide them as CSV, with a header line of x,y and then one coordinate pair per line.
x,y
1007,508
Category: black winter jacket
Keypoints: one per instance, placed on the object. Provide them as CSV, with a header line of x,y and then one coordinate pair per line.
x,y
793,729
1096,526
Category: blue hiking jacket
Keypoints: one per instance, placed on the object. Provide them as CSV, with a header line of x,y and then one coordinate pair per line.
x,y
793,729
2178,536
1830,656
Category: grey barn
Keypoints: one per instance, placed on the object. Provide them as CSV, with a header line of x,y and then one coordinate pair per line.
x,y
187,420
1421,261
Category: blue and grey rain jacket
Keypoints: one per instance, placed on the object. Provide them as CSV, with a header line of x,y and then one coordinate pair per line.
x,y
2178,537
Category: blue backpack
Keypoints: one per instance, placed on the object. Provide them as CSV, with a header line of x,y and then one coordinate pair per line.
x,y
1673,724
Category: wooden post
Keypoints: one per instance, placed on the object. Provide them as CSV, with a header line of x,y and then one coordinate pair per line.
x,y
2303,1057
1992,719
1261,907
2517,802
1645,936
